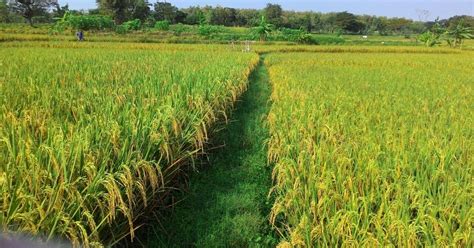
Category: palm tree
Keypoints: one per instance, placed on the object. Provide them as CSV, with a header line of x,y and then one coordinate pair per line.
x,y
458,34
264,29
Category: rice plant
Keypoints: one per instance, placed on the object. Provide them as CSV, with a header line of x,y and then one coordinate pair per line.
x,y
92,135
372,149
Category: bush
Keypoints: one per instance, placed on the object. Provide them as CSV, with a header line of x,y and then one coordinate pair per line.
x,y
128,26
297,35
429,38
329,40
178,29
92,22
85,22
132,25
163,25
121,29
150,22
291,34
208,30
307,39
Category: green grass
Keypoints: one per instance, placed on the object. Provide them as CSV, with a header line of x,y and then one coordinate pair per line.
x,y
227,203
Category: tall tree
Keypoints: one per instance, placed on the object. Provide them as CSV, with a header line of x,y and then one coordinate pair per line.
x,y
317,22
165,11
273,14
180,17
380,25
4,12
223,16
467,21
348,22
298,20
398,24
194,15
117,8
31,8
308,22
247,17
140,9
59,11
328,22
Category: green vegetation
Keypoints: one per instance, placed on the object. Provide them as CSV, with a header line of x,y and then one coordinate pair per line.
x,y
162,25
372,149
458,34
92,137
227,204
128,26
135,21
355,130
454,35
430,39
83,22
220,23
264,29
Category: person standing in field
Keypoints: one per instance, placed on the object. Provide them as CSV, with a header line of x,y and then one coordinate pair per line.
x,y
80,35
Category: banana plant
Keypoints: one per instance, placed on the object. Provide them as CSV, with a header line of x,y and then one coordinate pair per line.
x,y
458,34
264,29
429,38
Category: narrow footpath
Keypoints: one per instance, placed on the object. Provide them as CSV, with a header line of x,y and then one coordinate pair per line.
x,y
227,204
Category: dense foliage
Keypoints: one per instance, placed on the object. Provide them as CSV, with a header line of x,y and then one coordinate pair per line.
x,y
31,8
162,25
83,22
336,22
454,35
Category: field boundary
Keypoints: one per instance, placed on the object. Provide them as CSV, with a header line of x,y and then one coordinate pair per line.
x,y
227,203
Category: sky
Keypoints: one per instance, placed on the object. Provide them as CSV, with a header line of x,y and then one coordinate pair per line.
x,y
390,8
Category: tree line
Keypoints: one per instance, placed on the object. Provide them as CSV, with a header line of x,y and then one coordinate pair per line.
x,y
313,22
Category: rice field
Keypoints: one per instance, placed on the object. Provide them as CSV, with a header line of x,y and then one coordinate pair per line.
x,y
372,149
90,136
370,146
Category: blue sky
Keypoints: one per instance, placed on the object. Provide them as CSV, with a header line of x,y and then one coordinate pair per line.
x,y
401,8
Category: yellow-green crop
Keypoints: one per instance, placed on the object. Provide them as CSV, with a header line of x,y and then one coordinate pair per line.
x,y
89,137
373,149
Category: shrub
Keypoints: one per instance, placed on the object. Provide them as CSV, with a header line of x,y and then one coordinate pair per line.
x,y
178,29
291,34
93,22
263,30
128,26
84,22
429,38
150,22
132,25
457,34
297,35
307,39
163,25
208,30
121,29
329,40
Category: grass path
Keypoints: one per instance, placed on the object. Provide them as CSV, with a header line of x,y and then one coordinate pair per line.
x,y
227,204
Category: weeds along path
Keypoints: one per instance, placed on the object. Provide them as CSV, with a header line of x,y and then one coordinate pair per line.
x,y
227,204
